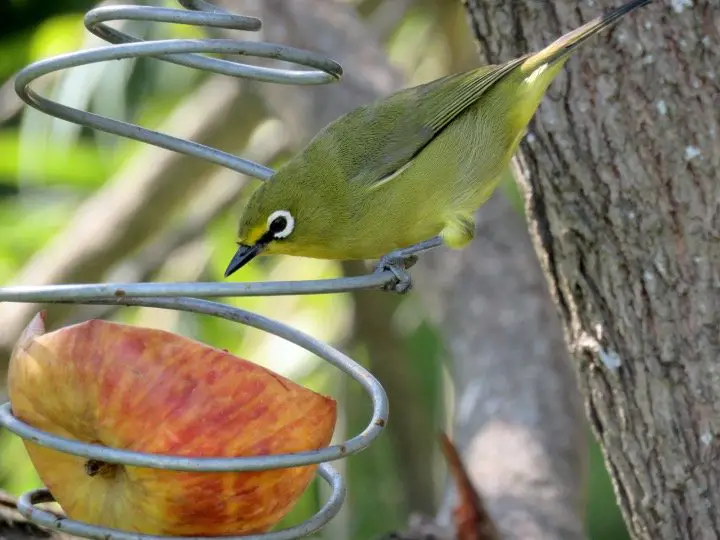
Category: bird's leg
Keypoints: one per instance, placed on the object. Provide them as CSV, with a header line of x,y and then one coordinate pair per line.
x,y
400,260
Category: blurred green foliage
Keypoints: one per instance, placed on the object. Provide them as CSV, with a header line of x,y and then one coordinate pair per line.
x,y
32,29
47,169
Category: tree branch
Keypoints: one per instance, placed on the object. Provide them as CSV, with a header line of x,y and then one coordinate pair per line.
x,y
518,417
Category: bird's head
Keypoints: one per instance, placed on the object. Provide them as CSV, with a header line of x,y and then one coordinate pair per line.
x,y
284,215
268,219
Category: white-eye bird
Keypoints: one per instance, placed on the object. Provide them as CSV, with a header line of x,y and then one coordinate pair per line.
x,y
407,171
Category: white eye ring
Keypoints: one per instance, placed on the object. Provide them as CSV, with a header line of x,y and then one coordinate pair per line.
x,y
289,223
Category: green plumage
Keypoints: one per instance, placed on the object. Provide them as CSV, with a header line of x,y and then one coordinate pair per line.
x,y
410,166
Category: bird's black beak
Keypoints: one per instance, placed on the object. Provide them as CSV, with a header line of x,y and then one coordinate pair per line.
x,y
242,256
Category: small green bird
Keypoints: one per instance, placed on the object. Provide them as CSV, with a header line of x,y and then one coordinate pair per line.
x,y
407,171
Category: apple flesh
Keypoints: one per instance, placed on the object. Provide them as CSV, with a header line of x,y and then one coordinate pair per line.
x,y
153,391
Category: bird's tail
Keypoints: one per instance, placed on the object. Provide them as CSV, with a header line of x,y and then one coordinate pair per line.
x,y
560,49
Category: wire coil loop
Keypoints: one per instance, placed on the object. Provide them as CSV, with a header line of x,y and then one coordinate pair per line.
x,y
190,297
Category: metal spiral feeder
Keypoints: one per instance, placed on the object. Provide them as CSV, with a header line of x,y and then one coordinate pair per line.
x,y
188,296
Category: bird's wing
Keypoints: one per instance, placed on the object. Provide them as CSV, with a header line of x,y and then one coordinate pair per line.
x,y
373,142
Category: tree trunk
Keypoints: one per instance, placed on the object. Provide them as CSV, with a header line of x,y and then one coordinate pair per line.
x,y
621,169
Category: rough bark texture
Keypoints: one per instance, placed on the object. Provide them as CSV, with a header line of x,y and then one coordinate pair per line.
x,y
622,167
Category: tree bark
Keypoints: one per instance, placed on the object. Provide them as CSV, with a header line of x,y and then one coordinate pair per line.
x,y
621,169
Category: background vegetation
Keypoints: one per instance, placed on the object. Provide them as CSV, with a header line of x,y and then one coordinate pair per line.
x,y
48,167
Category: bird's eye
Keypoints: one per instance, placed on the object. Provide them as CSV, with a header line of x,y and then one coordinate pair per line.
x,y
281,223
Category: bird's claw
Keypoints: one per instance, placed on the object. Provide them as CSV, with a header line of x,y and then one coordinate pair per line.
x,y
399,267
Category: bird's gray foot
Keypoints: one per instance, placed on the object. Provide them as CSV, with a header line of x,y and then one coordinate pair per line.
x,y
399,266
400,261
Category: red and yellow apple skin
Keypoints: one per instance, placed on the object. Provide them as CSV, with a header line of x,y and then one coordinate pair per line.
x,y
152,391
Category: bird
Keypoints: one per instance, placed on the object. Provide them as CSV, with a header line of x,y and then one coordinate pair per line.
x,y
406,173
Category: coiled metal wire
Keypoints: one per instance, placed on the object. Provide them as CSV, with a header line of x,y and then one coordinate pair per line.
x,y
189,297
